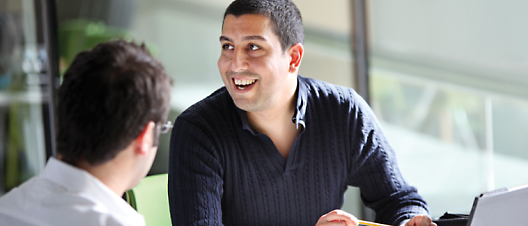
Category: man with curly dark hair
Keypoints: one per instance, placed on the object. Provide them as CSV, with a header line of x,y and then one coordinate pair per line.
x,y
112,106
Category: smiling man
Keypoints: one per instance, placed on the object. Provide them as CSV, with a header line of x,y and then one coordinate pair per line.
x,y
276,148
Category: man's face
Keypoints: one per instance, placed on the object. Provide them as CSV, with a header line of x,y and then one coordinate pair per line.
x,y
252,64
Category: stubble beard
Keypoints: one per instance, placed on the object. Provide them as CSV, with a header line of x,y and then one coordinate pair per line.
x,y
249,105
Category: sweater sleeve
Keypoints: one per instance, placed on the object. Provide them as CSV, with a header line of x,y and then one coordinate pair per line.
x,y
375,171
195,177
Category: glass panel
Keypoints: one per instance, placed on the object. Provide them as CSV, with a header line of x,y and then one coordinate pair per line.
x,y
22,140
328,54
448,84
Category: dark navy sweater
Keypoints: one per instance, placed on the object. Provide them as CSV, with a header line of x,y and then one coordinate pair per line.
x,y
222,172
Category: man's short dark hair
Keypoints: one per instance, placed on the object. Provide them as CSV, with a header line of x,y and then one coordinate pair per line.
x,y
284,15
107,96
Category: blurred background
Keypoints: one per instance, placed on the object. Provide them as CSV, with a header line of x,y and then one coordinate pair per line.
x,y
446,79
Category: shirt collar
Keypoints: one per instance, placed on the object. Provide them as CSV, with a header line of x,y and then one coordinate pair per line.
x,y
71,178
78,181
300,110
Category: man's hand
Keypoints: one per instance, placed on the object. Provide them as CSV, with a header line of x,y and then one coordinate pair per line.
x,y
337,217
420,220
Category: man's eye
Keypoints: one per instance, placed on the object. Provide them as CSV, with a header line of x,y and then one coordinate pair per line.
x,y
227,47
254,47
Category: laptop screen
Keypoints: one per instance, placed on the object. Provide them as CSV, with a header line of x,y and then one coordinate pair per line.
x,y
501,207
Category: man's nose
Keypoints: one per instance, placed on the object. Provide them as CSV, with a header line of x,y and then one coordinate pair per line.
x,y
239,62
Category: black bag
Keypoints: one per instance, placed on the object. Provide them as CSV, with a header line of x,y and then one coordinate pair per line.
x,y
452,219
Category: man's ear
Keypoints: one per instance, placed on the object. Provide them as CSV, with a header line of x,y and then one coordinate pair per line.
x,y
296,54
145,139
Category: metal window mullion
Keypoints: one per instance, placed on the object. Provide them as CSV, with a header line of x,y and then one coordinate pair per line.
x,y
360,54
360,48
49,29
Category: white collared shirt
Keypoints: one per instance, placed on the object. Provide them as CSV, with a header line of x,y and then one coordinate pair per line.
x,y
65,195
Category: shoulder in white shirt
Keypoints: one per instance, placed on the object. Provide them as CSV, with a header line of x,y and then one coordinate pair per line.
x,y
65,195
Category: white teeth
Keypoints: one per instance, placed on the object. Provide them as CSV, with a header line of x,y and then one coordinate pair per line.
x,y
244,82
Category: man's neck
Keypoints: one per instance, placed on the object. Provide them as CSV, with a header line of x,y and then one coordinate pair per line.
x,y
118,174
277,124
108,173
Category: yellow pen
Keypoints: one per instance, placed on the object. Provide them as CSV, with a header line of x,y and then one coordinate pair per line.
x,y
368,223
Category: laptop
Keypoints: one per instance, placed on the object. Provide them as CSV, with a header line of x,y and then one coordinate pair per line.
x,y
507,206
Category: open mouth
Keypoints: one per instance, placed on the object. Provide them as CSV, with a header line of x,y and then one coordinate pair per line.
x,y
243,84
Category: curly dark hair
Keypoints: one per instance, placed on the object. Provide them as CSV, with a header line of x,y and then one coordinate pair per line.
x,y
107,96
